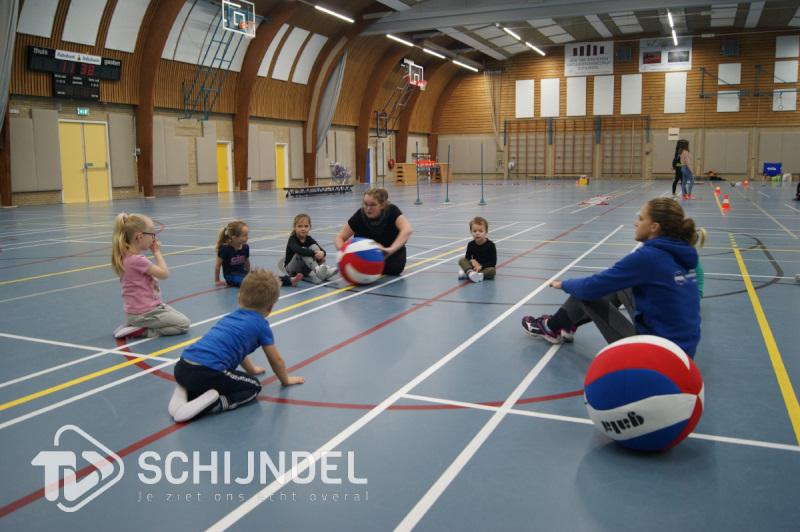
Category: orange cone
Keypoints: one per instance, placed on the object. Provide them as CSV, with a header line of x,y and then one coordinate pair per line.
x,y
726,203
746,183
716,191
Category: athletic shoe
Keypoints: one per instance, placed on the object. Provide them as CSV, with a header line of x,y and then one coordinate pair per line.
x,y
195,406
179,398
324,272
475,277
461,274
537,328
129,331
313,277
568,335
296,280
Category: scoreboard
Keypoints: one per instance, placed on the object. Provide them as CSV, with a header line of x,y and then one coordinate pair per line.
x,y
75,75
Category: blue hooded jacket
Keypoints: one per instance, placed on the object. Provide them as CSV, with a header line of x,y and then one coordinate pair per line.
x,y
661,274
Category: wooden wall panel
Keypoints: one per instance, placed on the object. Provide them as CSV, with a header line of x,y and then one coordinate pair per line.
x,y
362,55
422,118
282,100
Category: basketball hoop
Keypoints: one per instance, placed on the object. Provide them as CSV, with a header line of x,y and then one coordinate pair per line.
x,y
423,83
243,25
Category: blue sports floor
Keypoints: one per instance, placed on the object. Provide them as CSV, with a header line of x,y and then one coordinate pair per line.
x,y
425,404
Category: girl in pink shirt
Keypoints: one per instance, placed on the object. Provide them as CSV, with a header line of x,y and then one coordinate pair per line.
x,y
141,296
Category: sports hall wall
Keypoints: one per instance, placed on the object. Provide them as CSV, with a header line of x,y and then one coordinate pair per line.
x,y
733,143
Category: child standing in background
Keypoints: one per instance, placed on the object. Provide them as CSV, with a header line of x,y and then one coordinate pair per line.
x,y
304,256
687,172
481,257
233,256
141,295
206,376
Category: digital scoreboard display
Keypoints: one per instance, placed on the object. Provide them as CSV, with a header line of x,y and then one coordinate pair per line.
x,y
75,75
76,87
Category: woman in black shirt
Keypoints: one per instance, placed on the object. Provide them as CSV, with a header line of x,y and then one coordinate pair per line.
x,y
382,222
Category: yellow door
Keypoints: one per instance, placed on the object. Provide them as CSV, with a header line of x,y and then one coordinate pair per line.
x,y
280,165
94,141
223,179
73,177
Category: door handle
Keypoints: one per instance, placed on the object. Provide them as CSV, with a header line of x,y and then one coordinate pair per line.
x,y
88,165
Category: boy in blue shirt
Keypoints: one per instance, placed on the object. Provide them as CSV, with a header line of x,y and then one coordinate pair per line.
x,y
206,375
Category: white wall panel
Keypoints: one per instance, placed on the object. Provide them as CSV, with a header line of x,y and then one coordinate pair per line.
x,y
675,92
525,98
83,21
283,65
631,94
125,24
273,46
603,102
37,17
576,96
307,58
549,99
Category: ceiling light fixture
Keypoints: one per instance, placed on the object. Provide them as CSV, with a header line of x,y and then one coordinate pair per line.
x,y
517,37
674,38
534,48
334,13
402,41
431,52
463,65
669,16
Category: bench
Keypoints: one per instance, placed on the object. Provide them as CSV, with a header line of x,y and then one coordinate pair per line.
x,y
323,189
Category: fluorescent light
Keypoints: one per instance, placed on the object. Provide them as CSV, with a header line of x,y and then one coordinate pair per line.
x,y
669,16
435,54
535,49
674,38
402,41
517,37
334,13
462,65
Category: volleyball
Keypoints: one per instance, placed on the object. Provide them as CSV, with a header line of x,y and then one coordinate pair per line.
x,y
360,261
644,392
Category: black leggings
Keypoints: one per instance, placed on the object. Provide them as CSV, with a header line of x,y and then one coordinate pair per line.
x,y
604,312
235,387
675,181
395,263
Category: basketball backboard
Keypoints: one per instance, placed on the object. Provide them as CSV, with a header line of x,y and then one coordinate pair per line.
x,y
415,74
239,16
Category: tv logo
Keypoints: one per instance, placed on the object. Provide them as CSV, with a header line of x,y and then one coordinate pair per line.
x,y
107,471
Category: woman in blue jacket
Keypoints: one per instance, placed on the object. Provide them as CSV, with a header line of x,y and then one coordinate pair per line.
x,y
656,283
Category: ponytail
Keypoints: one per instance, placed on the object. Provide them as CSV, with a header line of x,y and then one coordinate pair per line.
x,y
231,230
125,228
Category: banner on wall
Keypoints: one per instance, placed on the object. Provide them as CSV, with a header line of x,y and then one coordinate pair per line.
x,y
661,55
589,58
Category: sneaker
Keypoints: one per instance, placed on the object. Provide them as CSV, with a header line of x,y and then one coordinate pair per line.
x,y
568,335
461,274
195,406
324,272
129,331
475,277
296,280
537,328
179,398
313,277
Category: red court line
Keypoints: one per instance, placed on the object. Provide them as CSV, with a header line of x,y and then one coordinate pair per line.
x,y
105,248
37,494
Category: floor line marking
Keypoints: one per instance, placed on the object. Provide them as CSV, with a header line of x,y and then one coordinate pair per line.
x,y
138,359
768,215
587,421
446,478
249,505
784,382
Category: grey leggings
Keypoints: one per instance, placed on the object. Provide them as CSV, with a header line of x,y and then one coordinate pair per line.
x,y
604,312
301,263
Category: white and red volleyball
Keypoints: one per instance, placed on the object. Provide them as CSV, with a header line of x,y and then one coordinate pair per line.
x,y
360,261
644,392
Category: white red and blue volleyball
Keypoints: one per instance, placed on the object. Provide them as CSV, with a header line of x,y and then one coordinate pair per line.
x,y
644,392
360,261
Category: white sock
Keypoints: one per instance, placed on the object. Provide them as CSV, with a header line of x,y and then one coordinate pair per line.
x,y
475,277
195,406
179,398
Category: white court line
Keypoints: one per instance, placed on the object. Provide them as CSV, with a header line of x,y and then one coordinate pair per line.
x,y
279,483
587,421
435,491
757,206
798,210
766,196
70,400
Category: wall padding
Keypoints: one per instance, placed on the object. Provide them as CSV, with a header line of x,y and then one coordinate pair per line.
x,y
121,138
296,153
23,158
207,154
46,148
266,148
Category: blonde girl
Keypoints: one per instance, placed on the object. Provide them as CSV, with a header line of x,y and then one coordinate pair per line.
x,y
141,296
233,254
304,255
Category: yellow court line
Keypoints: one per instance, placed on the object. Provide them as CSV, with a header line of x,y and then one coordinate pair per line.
x,y
785,384
106,371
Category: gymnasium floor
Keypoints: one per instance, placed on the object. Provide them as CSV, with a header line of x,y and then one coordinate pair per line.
x,y
455,418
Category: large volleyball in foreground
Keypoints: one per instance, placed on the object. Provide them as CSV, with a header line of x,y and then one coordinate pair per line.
x,y
360,261
644,392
